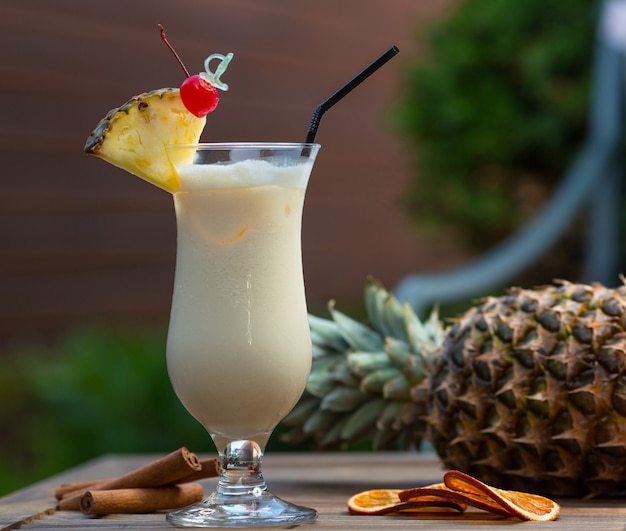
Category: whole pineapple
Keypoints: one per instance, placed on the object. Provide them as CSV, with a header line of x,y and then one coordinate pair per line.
x,y
526,391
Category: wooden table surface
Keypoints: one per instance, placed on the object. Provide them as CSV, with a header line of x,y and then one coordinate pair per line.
x,y
321,480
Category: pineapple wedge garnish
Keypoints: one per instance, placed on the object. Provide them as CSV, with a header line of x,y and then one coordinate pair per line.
x,y
133,136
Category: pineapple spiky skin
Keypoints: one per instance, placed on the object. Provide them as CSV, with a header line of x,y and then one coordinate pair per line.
x,y
529,391
526,391
134,136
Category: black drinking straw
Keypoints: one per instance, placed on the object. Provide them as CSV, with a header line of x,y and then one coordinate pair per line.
x,y
348,87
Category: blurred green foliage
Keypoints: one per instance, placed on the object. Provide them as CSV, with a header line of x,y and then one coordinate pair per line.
x,y
495,112
97,391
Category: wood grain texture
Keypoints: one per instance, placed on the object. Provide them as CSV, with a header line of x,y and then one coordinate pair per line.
x,y
81,240
320,480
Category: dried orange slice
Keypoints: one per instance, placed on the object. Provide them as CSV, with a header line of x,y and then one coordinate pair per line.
x,y
386,501
376,501
523,505
462,499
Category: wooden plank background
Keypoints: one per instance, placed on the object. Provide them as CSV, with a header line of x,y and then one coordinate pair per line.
x,y
81,241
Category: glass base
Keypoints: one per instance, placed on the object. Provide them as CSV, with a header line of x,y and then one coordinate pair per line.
x,y
262,510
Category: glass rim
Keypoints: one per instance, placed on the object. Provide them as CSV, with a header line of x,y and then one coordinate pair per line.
x,y
246,145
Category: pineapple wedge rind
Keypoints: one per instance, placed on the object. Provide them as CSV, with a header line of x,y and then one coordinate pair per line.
x,y
134,136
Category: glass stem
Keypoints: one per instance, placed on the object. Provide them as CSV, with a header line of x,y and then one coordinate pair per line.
x,y
241,473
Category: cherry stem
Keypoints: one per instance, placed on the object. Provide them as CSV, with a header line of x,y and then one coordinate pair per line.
x,y
164,39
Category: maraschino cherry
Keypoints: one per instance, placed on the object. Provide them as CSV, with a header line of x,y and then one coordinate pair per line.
x,y
199,96
199,92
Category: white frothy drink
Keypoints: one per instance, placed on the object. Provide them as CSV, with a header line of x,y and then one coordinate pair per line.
x,y
239,348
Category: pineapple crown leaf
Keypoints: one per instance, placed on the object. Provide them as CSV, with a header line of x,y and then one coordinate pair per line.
x,y
302,411
356,334
398,351
375,381
344,376
384,311
326,333
363,418
320,382
397,388
342,399
319,421
363,363
333,436
420,333
393,410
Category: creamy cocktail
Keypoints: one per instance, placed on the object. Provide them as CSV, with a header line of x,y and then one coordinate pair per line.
x,y
239,346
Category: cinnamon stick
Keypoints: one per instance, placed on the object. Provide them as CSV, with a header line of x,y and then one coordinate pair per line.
x,y
72,488
163,471
157,473
209,468
140,500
